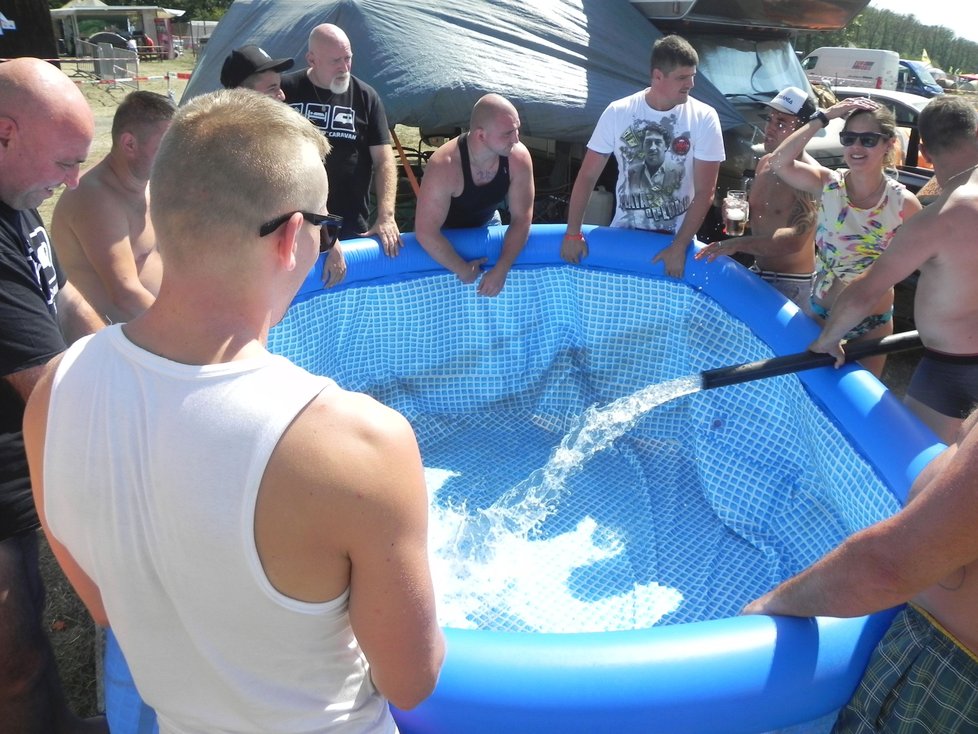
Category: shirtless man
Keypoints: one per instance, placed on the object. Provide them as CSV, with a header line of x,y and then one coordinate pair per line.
x,y
926,554
939,242
101,230
466,179
782,219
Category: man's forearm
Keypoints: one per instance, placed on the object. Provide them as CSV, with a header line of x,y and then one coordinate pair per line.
x,y
517,233
693,220
852,306
131,302
441,251
76,317
783,241
850,581
385,188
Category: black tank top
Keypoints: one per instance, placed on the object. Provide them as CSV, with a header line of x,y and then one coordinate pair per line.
x,y
476,204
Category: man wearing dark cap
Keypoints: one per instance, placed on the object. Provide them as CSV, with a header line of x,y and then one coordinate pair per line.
x,y
782,219
251,67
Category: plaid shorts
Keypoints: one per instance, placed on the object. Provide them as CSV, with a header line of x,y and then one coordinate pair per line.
x,y
919,680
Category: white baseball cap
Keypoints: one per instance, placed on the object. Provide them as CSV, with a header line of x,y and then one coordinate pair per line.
x,y
794,101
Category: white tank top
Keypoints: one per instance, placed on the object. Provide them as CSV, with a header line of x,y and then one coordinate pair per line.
x,y
152,472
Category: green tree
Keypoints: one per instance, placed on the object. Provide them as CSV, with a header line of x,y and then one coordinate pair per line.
x,y
875,28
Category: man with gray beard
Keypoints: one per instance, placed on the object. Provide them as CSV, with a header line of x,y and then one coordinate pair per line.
x,y
350,114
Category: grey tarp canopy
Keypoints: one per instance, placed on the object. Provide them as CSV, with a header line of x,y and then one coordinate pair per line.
x,y
559,61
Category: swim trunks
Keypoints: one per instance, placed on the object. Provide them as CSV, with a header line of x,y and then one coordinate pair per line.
x,y
919,679
863,327
796,287
947,383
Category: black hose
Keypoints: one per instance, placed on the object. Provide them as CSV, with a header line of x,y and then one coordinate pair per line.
x,y
775,366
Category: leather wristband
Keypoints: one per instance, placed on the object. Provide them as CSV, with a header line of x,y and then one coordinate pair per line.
x,y
821,117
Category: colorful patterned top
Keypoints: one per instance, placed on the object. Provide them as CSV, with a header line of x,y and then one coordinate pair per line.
x,y
849,239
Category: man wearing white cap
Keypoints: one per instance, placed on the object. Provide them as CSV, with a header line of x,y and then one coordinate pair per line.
x,y
782,219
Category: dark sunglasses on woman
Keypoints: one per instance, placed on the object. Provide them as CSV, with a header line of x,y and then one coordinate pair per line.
x,y
867,140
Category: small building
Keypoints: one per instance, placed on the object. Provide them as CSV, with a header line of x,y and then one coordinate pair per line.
x,y
79,19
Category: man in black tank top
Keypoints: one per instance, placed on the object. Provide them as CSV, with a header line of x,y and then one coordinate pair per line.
x,y
465,181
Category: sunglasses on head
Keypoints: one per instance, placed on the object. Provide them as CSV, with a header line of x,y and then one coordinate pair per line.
x,y
867,140
329,227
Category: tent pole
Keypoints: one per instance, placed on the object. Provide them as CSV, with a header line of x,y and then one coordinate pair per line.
x,y
407,167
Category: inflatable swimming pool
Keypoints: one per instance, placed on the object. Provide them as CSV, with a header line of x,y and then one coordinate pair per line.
x,y
493,385
619,608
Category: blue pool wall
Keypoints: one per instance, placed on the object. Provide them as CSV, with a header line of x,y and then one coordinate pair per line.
x,y
741,674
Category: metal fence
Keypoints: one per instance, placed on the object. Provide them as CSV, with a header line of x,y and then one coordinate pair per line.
x,y
106,63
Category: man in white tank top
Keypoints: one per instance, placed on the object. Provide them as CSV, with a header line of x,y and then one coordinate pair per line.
x,y
255,535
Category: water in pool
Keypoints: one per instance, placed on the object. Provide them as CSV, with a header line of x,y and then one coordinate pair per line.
x,y
696,507
493,563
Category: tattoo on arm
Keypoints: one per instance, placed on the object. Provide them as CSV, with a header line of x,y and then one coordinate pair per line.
x,y
804,213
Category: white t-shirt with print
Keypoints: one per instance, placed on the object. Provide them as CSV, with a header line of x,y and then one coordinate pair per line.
x,y
655,152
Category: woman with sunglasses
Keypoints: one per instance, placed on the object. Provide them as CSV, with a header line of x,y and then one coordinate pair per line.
x,y
860,207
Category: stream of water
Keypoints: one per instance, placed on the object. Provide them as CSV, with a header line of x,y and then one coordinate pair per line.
x,y
489,563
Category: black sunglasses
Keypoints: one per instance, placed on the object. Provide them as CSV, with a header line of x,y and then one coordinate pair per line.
x,y
867,140
329,227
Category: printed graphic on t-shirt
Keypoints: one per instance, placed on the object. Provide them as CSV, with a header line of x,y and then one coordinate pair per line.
x,y
334,121
343,120
39,252
316,112
653,154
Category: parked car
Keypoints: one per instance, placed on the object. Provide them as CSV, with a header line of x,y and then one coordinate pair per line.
x,y
906,108
914,77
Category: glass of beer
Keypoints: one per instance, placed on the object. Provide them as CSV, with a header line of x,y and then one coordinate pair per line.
x,y
735,212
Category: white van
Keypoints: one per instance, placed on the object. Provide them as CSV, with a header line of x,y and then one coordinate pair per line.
x,y
853,67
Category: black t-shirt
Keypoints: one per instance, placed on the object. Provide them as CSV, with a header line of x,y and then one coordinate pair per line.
x,y
29,337
352,122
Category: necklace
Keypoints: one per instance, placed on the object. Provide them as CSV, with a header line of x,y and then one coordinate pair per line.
x,y
315,90
959,174
870,197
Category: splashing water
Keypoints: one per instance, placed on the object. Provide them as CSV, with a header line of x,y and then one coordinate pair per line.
x,y
490,564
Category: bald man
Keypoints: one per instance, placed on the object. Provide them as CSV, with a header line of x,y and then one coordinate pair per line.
x,y
465,181
46,129
350,114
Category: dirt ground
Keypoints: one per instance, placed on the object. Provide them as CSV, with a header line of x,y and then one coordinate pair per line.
x,y
70,628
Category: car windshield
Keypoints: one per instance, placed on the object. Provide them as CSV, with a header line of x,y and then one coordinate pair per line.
x,y
741,67
925,76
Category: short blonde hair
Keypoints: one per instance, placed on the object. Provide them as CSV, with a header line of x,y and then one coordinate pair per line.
x,y
230,160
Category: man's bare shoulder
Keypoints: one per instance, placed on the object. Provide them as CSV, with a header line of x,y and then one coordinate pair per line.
x,y
95,189
951,219
346,436
520,155
446,156
443,171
